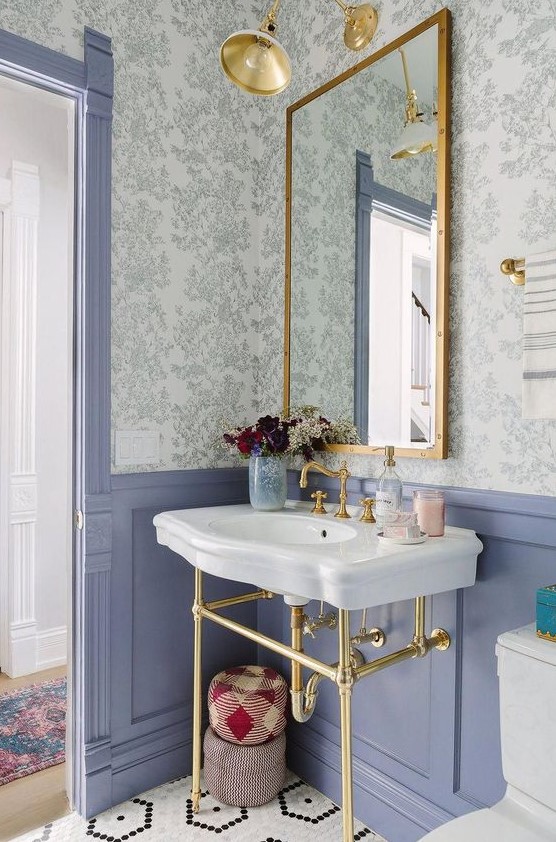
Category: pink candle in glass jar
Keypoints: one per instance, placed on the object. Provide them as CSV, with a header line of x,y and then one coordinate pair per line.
x,y
429,506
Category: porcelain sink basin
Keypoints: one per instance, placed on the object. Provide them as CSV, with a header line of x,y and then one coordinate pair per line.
x,y
317,556
284,529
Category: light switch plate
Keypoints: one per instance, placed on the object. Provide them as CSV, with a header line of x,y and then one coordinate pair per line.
x,y
136,447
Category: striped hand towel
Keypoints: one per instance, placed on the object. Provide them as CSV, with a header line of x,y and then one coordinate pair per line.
x,y
539,337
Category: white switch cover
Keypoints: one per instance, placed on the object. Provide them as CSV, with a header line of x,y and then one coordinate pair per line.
x,y
136,447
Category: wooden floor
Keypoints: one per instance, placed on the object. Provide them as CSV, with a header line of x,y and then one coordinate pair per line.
x,y
35,800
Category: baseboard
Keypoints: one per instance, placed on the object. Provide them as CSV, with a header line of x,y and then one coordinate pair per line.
x,y
52,648
143,763
382,803
22,649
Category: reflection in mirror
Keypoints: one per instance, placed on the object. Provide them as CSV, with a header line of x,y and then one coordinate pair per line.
x,y
365,286
395,273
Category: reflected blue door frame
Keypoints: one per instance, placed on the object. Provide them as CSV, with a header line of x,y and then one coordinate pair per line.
x,y
371,195
90,84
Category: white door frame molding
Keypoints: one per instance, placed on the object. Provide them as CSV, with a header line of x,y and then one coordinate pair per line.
x,y
18,429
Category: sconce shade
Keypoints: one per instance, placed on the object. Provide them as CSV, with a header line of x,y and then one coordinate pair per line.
x,y
361,23
256,62
416,137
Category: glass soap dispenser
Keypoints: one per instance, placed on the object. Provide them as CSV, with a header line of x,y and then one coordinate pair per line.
x,y
388,490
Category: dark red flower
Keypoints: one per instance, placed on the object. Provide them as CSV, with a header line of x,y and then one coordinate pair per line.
x,y
247,439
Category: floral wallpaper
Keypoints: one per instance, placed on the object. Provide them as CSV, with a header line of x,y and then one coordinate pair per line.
x,y
184,344
198,244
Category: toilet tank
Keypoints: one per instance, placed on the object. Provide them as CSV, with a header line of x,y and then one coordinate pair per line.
x,y
527,678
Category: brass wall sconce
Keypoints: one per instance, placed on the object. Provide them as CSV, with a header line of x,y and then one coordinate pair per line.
x,y
417,136
257,63
360,24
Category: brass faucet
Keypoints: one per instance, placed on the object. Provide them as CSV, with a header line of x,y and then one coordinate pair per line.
x,y
343,474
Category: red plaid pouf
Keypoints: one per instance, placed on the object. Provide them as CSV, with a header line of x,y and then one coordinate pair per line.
x,y
244,776
247,705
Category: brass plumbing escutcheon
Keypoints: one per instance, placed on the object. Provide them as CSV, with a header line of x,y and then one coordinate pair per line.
x,y
318,497
375,635
323,621
367,516
343,475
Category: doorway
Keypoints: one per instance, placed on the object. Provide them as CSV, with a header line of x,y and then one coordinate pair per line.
x,y
37,230
90,83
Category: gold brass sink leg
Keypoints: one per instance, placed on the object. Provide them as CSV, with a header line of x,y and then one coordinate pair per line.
x,y
197,691
345,680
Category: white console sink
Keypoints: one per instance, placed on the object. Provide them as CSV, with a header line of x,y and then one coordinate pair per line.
x,y
317,556
282,528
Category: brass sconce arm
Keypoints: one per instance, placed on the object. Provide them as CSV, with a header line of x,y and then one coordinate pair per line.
x,y
347,11
269,23
412,112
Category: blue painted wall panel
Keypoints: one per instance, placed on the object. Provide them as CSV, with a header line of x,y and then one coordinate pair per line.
x,y
152,627
504,598
426,743
401,789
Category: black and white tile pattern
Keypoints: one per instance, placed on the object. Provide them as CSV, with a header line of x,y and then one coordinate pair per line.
x,y
298,814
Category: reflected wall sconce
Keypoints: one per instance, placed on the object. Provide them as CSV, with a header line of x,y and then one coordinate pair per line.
x,y
417,136
257,63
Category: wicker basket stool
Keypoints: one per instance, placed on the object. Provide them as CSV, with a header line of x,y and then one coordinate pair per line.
x,y
247,705
244,775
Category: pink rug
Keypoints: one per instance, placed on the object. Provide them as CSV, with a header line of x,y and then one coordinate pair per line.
x,y
32,729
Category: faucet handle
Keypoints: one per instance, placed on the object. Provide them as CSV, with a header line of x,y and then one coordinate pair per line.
x,y
318,508
367,516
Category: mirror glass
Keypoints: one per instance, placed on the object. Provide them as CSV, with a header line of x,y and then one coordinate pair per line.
x,y
365,248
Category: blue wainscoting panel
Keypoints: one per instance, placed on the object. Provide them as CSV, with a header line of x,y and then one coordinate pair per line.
x,y
152,626
426,732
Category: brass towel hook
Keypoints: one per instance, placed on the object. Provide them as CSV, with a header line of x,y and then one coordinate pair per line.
x,y
515,269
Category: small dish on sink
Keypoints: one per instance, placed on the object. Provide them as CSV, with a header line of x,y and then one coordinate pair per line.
x,y
421,539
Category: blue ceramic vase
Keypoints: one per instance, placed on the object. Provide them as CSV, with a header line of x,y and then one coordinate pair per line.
x,y
267,483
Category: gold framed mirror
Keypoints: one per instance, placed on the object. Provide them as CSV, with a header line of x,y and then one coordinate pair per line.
x,y
367,246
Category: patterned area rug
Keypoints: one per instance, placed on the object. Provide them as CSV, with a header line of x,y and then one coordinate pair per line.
x,y
298,814
32,729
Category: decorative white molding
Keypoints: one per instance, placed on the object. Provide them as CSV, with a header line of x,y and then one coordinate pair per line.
x,y
32,650
22,564
5,192
25,190
52,647
23,497
22,649
19,498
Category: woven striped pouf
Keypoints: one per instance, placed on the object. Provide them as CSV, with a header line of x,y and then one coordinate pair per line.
x,y
244,775
247,705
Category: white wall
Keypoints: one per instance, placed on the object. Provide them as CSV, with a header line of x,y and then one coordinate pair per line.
x,y
35,131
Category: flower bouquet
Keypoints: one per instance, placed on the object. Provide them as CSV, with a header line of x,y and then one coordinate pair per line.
x,y
274,436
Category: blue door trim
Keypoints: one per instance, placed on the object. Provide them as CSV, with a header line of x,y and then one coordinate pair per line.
x,y
90,84
370,195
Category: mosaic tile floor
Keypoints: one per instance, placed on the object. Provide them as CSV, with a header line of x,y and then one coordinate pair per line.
x,y
298,814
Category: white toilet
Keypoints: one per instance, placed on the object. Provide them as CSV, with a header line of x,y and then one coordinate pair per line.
x,y
527,813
